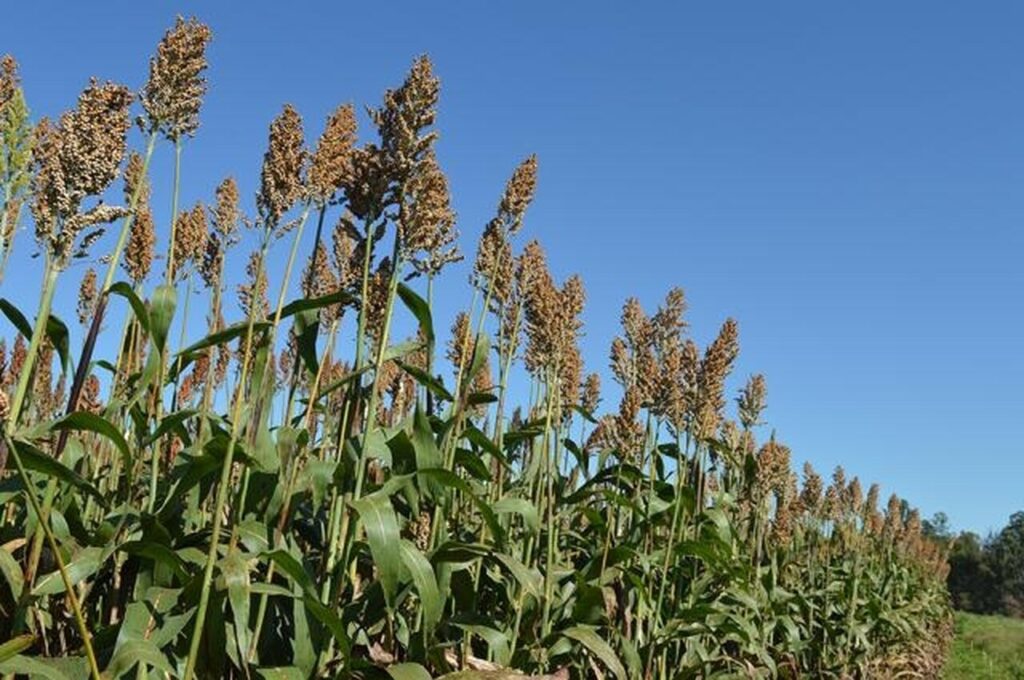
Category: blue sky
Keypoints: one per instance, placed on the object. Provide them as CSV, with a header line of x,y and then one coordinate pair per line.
x,y
844,179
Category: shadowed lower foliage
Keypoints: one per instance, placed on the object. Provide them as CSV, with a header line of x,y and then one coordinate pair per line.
x,y
290,490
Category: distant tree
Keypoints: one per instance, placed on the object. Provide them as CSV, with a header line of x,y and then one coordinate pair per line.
x,y
1006,554
971,583
937,528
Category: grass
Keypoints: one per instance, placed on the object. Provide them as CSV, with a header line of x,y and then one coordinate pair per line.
x,y
986,647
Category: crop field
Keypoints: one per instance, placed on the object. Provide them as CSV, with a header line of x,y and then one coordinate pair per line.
x,y
312,475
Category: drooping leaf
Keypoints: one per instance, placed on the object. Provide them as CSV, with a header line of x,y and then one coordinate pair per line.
x,y
16,645
138,306
35,460
381,525
426,584
589,638
420,309
523,508
33,668
84,564
408,671
161,312
135,652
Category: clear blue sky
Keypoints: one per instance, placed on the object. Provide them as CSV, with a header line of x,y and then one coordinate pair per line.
x,y
847,179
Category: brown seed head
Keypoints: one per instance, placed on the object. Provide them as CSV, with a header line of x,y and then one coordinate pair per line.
x,y
427,221
283,166
893,518
9,80
590,396
494,267
406,113
628,432
773,467
810,495
460,342
752,401
552,318
714,368
190,239
854,496
74,160
518,195
376,302
668,324
93,136
252,295
174,92
331,162
570,377
90,399
318,279
366,187
18,356
226,215
212,265
871,502
138,255
342,254
87,296
136,180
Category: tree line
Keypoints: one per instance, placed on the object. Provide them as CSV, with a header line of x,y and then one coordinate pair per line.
x,y
986,575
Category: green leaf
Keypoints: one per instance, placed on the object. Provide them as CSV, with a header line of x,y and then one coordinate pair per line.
x,y
224,336
420,309
307,329
426,584
133,652
521,507
281,673
15,316
16,645
589,638
91,422
85,563
481,348
292,568
304,304
37,461
529,579
57,332
408,671
173,421
378,517
138,306
428,381
12,573
161,312
158,553
453,481
32,668
235,570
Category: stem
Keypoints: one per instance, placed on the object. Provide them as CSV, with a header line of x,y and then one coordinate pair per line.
x,y
42,317
174,212
222,488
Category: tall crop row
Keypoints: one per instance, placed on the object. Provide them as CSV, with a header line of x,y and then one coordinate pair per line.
x,y
303,475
